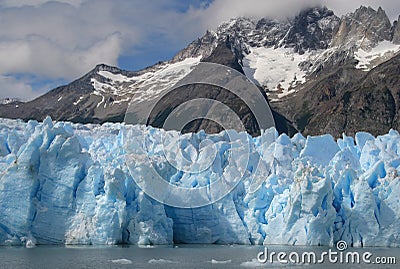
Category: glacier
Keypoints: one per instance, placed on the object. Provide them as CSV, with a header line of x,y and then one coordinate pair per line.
x,y
63,183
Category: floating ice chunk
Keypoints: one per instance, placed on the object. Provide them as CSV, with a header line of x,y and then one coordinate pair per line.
x,y
161,261
30,242
121,261
220,262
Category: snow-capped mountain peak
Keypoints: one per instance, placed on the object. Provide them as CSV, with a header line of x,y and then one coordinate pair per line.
x,y
286,58
364,28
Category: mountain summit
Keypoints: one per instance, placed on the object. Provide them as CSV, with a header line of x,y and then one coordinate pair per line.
x,y
320,73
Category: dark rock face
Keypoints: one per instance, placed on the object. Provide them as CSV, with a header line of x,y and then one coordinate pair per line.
x,y
222,54
347,101
181,95
312,29
396,32
272,32
201,46
365,25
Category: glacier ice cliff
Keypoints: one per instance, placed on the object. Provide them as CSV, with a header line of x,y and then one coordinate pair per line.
x,y
63,183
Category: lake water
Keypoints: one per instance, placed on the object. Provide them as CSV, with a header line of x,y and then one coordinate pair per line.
x,y
180,256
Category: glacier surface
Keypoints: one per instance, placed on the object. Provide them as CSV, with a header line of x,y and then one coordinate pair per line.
x,y
63,183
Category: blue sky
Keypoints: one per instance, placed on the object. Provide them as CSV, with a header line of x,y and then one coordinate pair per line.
x,y
44,44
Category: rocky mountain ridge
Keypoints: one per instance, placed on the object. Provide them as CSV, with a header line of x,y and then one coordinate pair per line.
x,y
313,68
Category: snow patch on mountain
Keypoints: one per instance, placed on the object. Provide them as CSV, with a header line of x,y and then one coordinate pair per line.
x,y
114,77
79,100
144,86
376,55
6,101
276,69
152,84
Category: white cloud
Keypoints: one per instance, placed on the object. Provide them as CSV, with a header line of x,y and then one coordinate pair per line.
x,y
51,40
11,87
222,10
57,40
20,3
41,57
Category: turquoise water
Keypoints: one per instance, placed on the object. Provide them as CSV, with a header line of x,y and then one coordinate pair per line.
x,y
180,256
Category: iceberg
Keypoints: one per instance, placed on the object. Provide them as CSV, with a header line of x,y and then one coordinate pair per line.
x,y
63,183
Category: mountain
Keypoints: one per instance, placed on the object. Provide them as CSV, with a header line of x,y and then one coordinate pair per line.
x,y
356,86
320,74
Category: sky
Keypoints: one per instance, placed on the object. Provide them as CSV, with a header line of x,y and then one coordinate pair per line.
x,y
44,44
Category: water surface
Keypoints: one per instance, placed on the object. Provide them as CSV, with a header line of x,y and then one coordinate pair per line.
x,y
180,256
